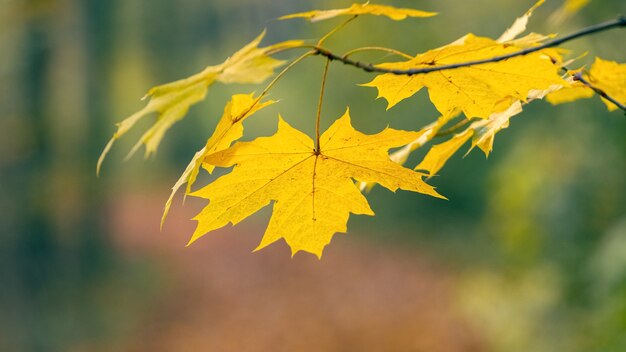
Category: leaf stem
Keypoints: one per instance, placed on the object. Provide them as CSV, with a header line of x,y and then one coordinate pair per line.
x,y
579,77
336,29
294,62
319,108
273,82
369,67
377,48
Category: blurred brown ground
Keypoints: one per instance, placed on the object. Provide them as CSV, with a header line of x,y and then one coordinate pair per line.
x,y
221,297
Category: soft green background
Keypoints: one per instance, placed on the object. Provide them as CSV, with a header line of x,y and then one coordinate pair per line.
x,y
531,245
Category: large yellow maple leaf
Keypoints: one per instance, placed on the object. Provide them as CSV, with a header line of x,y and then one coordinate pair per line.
x,y
476,90
313,192
171,101
394,13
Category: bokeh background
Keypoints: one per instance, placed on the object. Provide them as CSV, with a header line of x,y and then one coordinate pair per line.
x,y
529,253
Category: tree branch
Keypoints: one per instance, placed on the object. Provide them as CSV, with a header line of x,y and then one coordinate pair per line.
x,y
369,67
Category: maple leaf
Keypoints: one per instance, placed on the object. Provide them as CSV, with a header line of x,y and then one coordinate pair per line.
x,y
313,192
476,90
608,76
171,101
228,130
396,14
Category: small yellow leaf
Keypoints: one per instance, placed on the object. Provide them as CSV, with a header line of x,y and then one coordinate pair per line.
x,y
313,193
396,14
228,130
439,154
252,64
171,101
610,77
485,130
519,26
476,90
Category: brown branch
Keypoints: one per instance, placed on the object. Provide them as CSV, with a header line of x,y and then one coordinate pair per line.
x,y
369,67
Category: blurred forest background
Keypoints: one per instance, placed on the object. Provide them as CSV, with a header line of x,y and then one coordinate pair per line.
x,y
529,253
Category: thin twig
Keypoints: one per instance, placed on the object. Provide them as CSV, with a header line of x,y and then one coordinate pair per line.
x,y
319,108
369,67
271,84
377,48
579,77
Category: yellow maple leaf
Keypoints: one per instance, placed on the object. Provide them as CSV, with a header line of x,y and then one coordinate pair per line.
x,y
476,90
228,130
608,76
396,14
171,101
313,193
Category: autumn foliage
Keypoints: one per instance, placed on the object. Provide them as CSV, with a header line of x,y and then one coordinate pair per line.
x,y
315,183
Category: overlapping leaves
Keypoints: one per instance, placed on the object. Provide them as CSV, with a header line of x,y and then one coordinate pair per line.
x,y
171,101
475,90
313,191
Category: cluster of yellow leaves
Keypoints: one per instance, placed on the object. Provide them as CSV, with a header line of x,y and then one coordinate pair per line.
x,y
608,76
171,101
341,156
493,92
313,191
475,90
